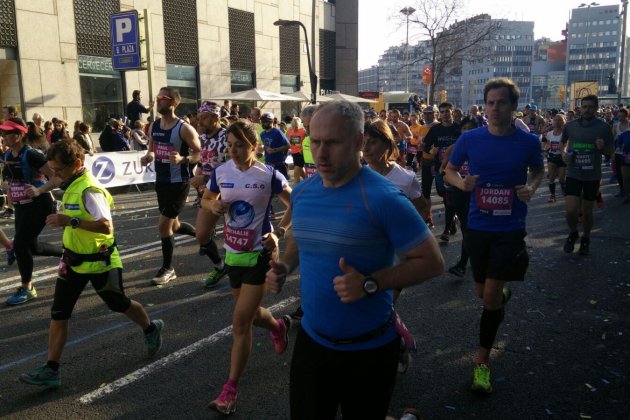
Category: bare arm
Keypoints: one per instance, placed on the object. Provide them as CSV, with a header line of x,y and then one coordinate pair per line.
x,y
421,263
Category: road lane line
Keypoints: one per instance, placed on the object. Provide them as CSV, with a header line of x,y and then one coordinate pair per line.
x,y
161,363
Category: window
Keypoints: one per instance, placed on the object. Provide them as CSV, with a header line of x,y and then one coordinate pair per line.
x,y
242,50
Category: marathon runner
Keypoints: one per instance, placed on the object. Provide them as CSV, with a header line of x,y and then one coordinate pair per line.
x,y
499,157
241,190
174,146
25,170
556,168
90,255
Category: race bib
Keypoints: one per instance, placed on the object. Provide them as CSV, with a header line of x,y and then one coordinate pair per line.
x,y
310,170
583,160
209,161
496,201
441,153
412,149
162,151
17,190
464,170
295,140
554,148
239,239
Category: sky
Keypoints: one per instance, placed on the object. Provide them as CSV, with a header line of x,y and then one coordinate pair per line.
x,y
378,31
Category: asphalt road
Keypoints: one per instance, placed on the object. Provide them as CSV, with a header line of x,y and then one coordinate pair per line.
x,y
563,350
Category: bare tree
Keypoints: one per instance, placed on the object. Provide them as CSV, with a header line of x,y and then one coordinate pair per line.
x,y
450,41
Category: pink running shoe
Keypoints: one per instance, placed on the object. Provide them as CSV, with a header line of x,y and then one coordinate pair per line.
x,y
280,336
225,403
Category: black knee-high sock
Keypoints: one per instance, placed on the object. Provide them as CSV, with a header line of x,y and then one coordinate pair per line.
x,y
186,229
488,327
552,188
212,251
168,244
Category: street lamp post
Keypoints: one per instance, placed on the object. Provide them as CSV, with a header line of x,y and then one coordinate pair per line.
x,y
624,18
407,11
588,10
313,76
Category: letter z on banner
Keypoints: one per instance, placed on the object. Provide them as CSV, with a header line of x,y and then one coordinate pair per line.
x,y
114,169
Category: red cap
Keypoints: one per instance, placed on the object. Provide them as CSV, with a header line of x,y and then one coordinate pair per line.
x,y
9,125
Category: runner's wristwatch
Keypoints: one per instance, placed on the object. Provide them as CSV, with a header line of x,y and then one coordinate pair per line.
x,y
370,286
75,222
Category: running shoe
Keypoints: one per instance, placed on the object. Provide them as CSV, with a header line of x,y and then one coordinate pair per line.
x,y
569,245
585,244
481,379
225,403
280,336
507,294
297,314
404,359
42,375
214,277
10,256
197,203
429,223
552,199
22,296
445,237
453,228
458,270
163,276
153,340
6,214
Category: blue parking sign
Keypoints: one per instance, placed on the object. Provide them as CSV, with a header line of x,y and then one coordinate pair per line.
x,y
125,40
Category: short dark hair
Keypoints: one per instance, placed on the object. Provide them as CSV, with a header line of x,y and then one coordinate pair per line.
x,y
135,94
592,98
502,82
66,151
624,110
84,127
445,105
173,93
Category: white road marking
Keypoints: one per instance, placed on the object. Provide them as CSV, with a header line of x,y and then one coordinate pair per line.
x,y
163,362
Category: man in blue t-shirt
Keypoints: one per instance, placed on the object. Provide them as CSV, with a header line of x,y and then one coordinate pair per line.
x,y
276,144
348,222
499,157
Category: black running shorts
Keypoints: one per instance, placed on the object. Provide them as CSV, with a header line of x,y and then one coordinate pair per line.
x,y
497,255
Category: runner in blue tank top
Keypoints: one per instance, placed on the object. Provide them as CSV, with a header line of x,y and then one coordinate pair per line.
x,y
174,147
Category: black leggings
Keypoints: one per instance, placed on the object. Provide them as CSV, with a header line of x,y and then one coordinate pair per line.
x,y
461,204
30,220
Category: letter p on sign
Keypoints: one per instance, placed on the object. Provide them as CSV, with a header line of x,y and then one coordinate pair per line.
x,y
123,26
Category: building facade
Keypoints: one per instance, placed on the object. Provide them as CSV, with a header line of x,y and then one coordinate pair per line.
x,y
61,65
594,47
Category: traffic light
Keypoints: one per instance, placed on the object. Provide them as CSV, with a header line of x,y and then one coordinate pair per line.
x,y
443,95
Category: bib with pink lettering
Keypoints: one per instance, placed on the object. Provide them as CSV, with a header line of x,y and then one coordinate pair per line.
x,y
162,151
412,148
17,190
239,239
554,148
495,200
209,161
464,170
310,170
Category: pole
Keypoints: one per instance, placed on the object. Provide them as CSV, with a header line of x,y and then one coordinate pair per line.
x,y
407,58
147,37
312,70
624,17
